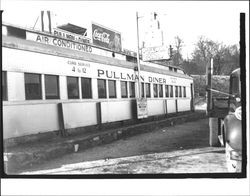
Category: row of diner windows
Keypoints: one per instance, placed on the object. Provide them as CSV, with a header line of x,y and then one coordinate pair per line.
x,y
33,88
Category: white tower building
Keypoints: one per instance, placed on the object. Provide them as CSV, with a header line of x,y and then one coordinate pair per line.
x,y
152,33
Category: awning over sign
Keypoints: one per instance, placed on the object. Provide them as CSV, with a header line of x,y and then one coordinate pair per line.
x,y
73,29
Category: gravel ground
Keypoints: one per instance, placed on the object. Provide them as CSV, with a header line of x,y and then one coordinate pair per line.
x,y
192,136
204,160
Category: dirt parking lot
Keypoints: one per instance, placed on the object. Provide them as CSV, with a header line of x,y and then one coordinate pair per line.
x,y
170,149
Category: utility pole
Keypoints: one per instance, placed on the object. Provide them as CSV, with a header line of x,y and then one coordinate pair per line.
x,y
138,57
209,85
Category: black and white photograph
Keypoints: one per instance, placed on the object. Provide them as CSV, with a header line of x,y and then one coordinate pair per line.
x,y
125,89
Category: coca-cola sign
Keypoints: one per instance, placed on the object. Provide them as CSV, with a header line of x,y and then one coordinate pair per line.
x,y
106,38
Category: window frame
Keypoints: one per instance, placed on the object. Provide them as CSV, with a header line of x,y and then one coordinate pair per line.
x,y
167,93
142,89
89,93
171,94
126,89
109,82
176,91
105,89
148,93
4,87
130,89
160,90
155,95
40,96
180,91
78,92
58,87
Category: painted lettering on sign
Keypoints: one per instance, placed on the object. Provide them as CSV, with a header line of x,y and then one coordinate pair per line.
x,y
142,108
79,63
101,36
110,74
77,69
157,80
71,36
118,75
78,66
63,43
173,80
107,38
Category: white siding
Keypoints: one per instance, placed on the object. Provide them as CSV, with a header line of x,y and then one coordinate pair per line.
x,y
183,105
79,114
19,120
171,107
116,111
156,107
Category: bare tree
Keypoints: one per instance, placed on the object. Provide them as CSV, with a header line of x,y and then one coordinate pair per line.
x,y
177,56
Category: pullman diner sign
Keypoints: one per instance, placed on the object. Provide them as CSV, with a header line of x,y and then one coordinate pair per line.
x,y
106,38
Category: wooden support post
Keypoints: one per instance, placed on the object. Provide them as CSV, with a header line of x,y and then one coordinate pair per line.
x,y
63,131
99,113
213,131
176,105
209,71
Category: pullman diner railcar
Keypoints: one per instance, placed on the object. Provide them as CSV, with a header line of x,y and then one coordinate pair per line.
x,y
50,83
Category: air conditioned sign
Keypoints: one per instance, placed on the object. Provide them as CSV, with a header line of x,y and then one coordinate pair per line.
x,y
59,42
106,38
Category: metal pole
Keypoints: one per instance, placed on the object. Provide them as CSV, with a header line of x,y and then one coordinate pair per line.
x,y
138,56
42,22
243,85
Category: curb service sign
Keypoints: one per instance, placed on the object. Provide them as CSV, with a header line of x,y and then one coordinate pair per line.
x,y
142,108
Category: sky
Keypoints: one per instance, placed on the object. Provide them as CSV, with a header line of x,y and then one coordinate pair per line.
x,y
215,20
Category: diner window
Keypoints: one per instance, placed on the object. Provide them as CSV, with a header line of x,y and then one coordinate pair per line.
x,y
73,87
86,88
180,91
33,86
132,89
148,90
124,89
160,90
51,87
142,90
171,91
155,86
184,92
166,91
101,88
112,89
4,86
176,91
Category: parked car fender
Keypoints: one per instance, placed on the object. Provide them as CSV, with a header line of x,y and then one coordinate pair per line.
x,y
233,132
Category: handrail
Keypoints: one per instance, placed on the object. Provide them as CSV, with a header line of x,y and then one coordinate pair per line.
x,y
231,95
